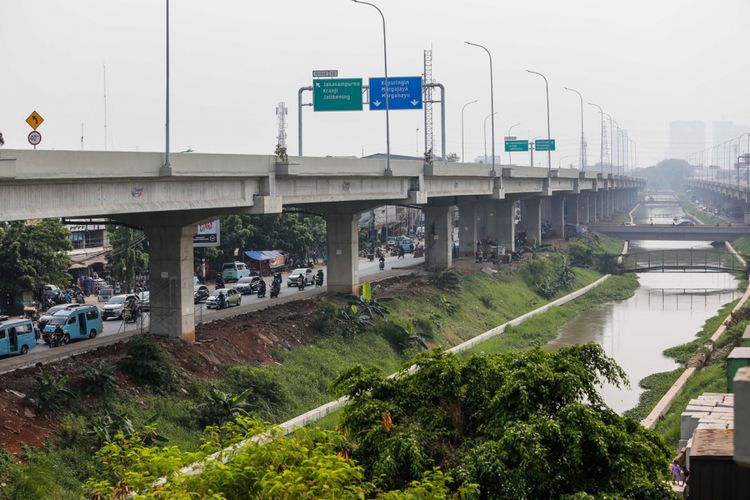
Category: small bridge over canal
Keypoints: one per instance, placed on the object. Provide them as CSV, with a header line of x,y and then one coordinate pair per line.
x,y
670,232
683,260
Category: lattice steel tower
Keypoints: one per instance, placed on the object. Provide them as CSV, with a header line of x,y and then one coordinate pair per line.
x,y
427,101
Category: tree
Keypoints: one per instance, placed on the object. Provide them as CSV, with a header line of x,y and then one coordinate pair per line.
x,y
296,233
521,425
31,256
129,257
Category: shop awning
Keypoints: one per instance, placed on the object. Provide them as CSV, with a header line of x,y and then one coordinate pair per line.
x,y
263,254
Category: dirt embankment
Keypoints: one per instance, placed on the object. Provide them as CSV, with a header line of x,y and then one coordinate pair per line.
x,y
249,339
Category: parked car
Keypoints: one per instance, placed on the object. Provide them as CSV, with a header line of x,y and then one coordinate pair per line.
x,y
105,294
82,322
144,301
53,293
233,271
17,337
233,298
200,293
248,285
686,223
296,277
113,308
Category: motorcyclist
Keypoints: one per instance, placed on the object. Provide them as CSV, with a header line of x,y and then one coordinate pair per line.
x,y
131,306
222,300
219,282
275,288
382,263
261,289
319,278
57,337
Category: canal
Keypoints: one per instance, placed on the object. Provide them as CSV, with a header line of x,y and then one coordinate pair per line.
x,y
668,309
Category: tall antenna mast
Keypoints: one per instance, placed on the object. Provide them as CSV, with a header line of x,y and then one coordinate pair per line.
x,y
105,106
427,100
81,136
605,145
281,112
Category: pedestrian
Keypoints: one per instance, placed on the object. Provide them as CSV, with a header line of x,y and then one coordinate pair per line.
x,y
676,473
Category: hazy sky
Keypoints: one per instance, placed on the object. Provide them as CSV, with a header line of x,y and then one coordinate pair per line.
x,y
645,62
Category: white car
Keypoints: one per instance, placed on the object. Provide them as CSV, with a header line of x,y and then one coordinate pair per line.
x,y
296,276
232,296
113,308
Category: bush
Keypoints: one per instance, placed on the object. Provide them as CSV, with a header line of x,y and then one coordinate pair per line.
x,y
325,319
51,393
146,363
425,327
219,407
98,378
399,337
265,393
73,431
448,280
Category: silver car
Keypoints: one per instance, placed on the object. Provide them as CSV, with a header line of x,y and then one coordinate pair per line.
x,y
233,298
248,285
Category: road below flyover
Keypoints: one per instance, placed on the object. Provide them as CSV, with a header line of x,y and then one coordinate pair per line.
x,y
114,331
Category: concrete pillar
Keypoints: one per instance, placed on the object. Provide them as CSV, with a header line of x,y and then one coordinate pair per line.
x,y
467,230
505,228
438,253
609,198
601,197
343,252
557,215
531,218
584,207
741,385
170,250
573,209
594,207
747,213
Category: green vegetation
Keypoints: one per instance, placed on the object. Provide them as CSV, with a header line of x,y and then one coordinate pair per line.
x,y
742,245
706,218
129,256
456,307
503,422
31,256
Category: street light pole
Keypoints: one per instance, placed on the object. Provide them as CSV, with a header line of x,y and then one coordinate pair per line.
x,y
167,167
510,157
601,136
549,138
582,139
492,106
463,158
388,170
485,140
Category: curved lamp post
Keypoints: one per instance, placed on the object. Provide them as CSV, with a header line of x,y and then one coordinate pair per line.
x,y
549,139
463,158
582,139
492,104
388,170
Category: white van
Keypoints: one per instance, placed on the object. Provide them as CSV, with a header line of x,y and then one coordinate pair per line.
x,y
233,271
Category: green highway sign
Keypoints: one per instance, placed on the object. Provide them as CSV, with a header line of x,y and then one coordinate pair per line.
x,y
544,145
512,146
339,94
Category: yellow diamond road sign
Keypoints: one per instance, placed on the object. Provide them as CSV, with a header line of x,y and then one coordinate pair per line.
x,y
34,120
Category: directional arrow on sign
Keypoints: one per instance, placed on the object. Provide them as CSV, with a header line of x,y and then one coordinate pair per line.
x,y
414,102
376,103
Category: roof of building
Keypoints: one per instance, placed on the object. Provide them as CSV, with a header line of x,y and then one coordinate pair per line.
x,y
712,443
739,353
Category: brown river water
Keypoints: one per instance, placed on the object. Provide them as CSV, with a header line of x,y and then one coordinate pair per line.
x,y
667,309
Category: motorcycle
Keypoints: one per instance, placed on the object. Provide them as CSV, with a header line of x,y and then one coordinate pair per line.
x,y
319,280
57,338
262,290
275,289
382,264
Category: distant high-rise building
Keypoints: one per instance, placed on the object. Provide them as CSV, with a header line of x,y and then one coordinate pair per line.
x,y
686,137
724,130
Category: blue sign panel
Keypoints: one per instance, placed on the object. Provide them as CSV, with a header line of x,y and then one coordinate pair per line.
x,y
404,92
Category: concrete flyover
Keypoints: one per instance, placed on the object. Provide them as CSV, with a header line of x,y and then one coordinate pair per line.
x,y
133,188
669,232
731,196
